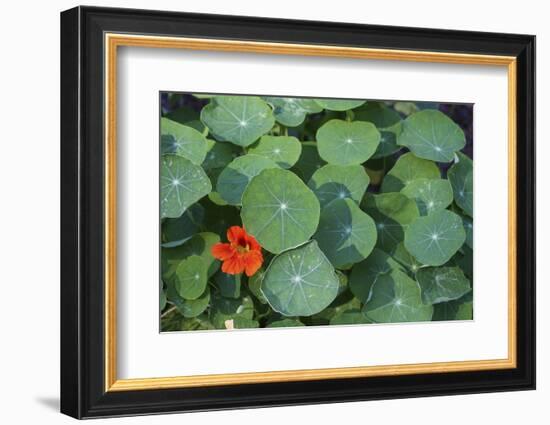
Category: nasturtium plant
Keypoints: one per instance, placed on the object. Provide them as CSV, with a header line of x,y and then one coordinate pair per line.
x,y
238,119
284,212
347,143
234,178
284,150
430,134
332,182
280,210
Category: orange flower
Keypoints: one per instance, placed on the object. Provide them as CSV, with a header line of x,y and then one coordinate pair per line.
x,y
242,253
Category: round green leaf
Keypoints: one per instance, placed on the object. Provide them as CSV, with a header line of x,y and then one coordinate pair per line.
x,y
290,111
176,231
188,308
435,238
406,169
284,150
395,298
347,143
300,282
200,244
181,185
218,155
429,194
279,210
234,178
309,161
462,179
182,140
393,213
190,278
440,284
238,119
345,234
430,134
332,182
339,104
364,274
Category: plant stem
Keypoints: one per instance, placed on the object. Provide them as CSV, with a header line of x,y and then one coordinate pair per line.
x,y
167,312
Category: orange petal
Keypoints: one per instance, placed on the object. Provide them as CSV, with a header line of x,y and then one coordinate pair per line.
x,y
222,251
234,233
233,265
253,261
253,243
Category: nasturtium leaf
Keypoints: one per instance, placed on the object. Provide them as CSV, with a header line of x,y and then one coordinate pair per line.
x,y
435,238
429,194
228,284
395,297
182,140
285,323
243,323
190,278
393,213
254,285
469,228
430,134
441,284
347,143
224,309
188,308
176,231
332,182
345,234
290,111
461,309
284,150
182,183
404,257
408,168
350,317
279,210
200,244
234,178
462,179
339,104
300,281
364,274
309,161
238,119
218,155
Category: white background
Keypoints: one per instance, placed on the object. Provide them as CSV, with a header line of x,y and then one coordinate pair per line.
x,y
29,224
141,345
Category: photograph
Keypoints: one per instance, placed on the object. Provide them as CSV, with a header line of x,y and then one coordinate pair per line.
x,y
280,212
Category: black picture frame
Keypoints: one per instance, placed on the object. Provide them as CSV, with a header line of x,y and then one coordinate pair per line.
x,y
82,219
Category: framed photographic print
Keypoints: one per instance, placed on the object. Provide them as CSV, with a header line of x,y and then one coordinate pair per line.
x,y
261,212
